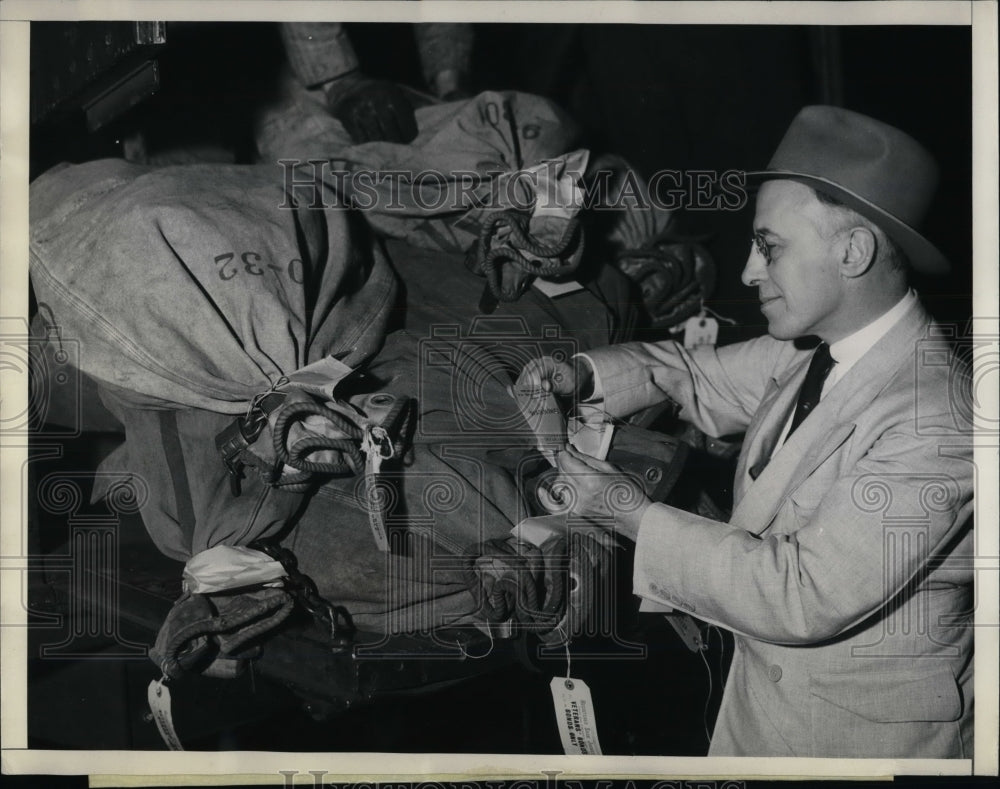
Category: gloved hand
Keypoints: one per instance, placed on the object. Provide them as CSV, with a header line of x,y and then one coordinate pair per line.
x,y
370,109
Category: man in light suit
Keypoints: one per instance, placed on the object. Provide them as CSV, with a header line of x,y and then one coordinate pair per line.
x,y
844,570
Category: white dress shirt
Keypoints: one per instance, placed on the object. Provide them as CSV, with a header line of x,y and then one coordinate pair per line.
x,y
848,351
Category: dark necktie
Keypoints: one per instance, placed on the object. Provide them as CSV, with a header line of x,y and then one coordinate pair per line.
x,y
812,386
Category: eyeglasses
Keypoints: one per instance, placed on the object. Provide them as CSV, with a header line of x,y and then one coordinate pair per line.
x,y
762,247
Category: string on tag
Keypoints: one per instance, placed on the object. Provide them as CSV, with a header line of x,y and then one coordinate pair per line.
x,y
706,309
708,699
569,660
258,398
465,653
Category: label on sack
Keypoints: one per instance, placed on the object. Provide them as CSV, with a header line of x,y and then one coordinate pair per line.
x,y
700,330
158,696
575,716
372,443
687,630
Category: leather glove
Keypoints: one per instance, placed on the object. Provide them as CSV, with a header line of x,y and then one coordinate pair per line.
x,y
209,633
371,110
587,555
500,577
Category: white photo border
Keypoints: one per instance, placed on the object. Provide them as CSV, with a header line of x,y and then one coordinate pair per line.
x,y
258,766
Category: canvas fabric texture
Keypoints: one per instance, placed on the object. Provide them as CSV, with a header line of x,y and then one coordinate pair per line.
x,y
180,286
192,286
430,204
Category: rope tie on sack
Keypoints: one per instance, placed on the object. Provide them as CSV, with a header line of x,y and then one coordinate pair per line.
x,y
559,262
350,447
516,581
363,449
286,463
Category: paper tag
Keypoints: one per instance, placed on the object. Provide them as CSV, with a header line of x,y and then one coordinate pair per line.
x,y
575,716
372,443
687,630
158,696
555,289
700,330
590,438
536,530
543,415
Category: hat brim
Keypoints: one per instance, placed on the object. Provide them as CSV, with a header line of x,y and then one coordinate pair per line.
x,y
921,253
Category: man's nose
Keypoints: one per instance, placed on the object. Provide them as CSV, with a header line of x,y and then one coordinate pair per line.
x,y
755,269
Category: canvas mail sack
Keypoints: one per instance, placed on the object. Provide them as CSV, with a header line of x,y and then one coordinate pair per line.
x,y
469,160
195,289
192,290
199,286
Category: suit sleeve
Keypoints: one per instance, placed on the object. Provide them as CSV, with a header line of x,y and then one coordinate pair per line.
x,y
718,389
871,537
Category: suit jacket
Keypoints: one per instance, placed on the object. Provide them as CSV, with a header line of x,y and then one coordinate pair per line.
x,y
845,570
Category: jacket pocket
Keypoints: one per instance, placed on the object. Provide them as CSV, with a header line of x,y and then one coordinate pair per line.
x,y
894,696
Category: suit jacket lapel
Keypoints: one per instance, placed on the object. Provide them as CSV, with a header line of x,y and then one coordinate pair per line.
x,y
764,431
826,429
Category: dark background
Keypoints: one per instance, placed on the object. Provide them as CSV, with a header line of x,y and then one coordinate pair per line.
x,y
677,97
663,96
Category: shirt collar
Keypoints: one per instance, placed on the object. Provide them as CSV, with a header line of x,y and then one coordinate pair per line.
x,y
847,351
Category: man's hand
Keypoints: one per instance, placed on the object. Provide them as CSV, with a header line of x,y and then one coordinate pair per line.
x,y
370,109
599,490
565,379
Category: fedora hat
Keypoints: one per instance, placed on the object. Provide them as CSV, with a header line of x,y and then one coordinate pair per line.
x,y
882,173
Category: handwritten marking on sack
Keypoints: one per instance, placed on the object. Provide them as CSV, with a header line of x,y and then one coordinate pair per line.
x,y
254,265
491,113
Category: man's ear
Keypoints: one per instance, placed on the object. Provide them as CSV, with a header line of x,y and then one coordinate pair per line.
x,y
859,253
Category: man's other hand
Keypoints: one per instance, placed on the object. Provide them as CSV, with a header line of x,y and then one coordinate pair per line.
x,y
599,490
563,378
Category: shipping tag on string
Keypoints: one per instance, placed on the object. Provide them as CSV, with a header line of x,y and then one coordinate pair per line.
x,y
590,432
700,329
575,716
158,697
